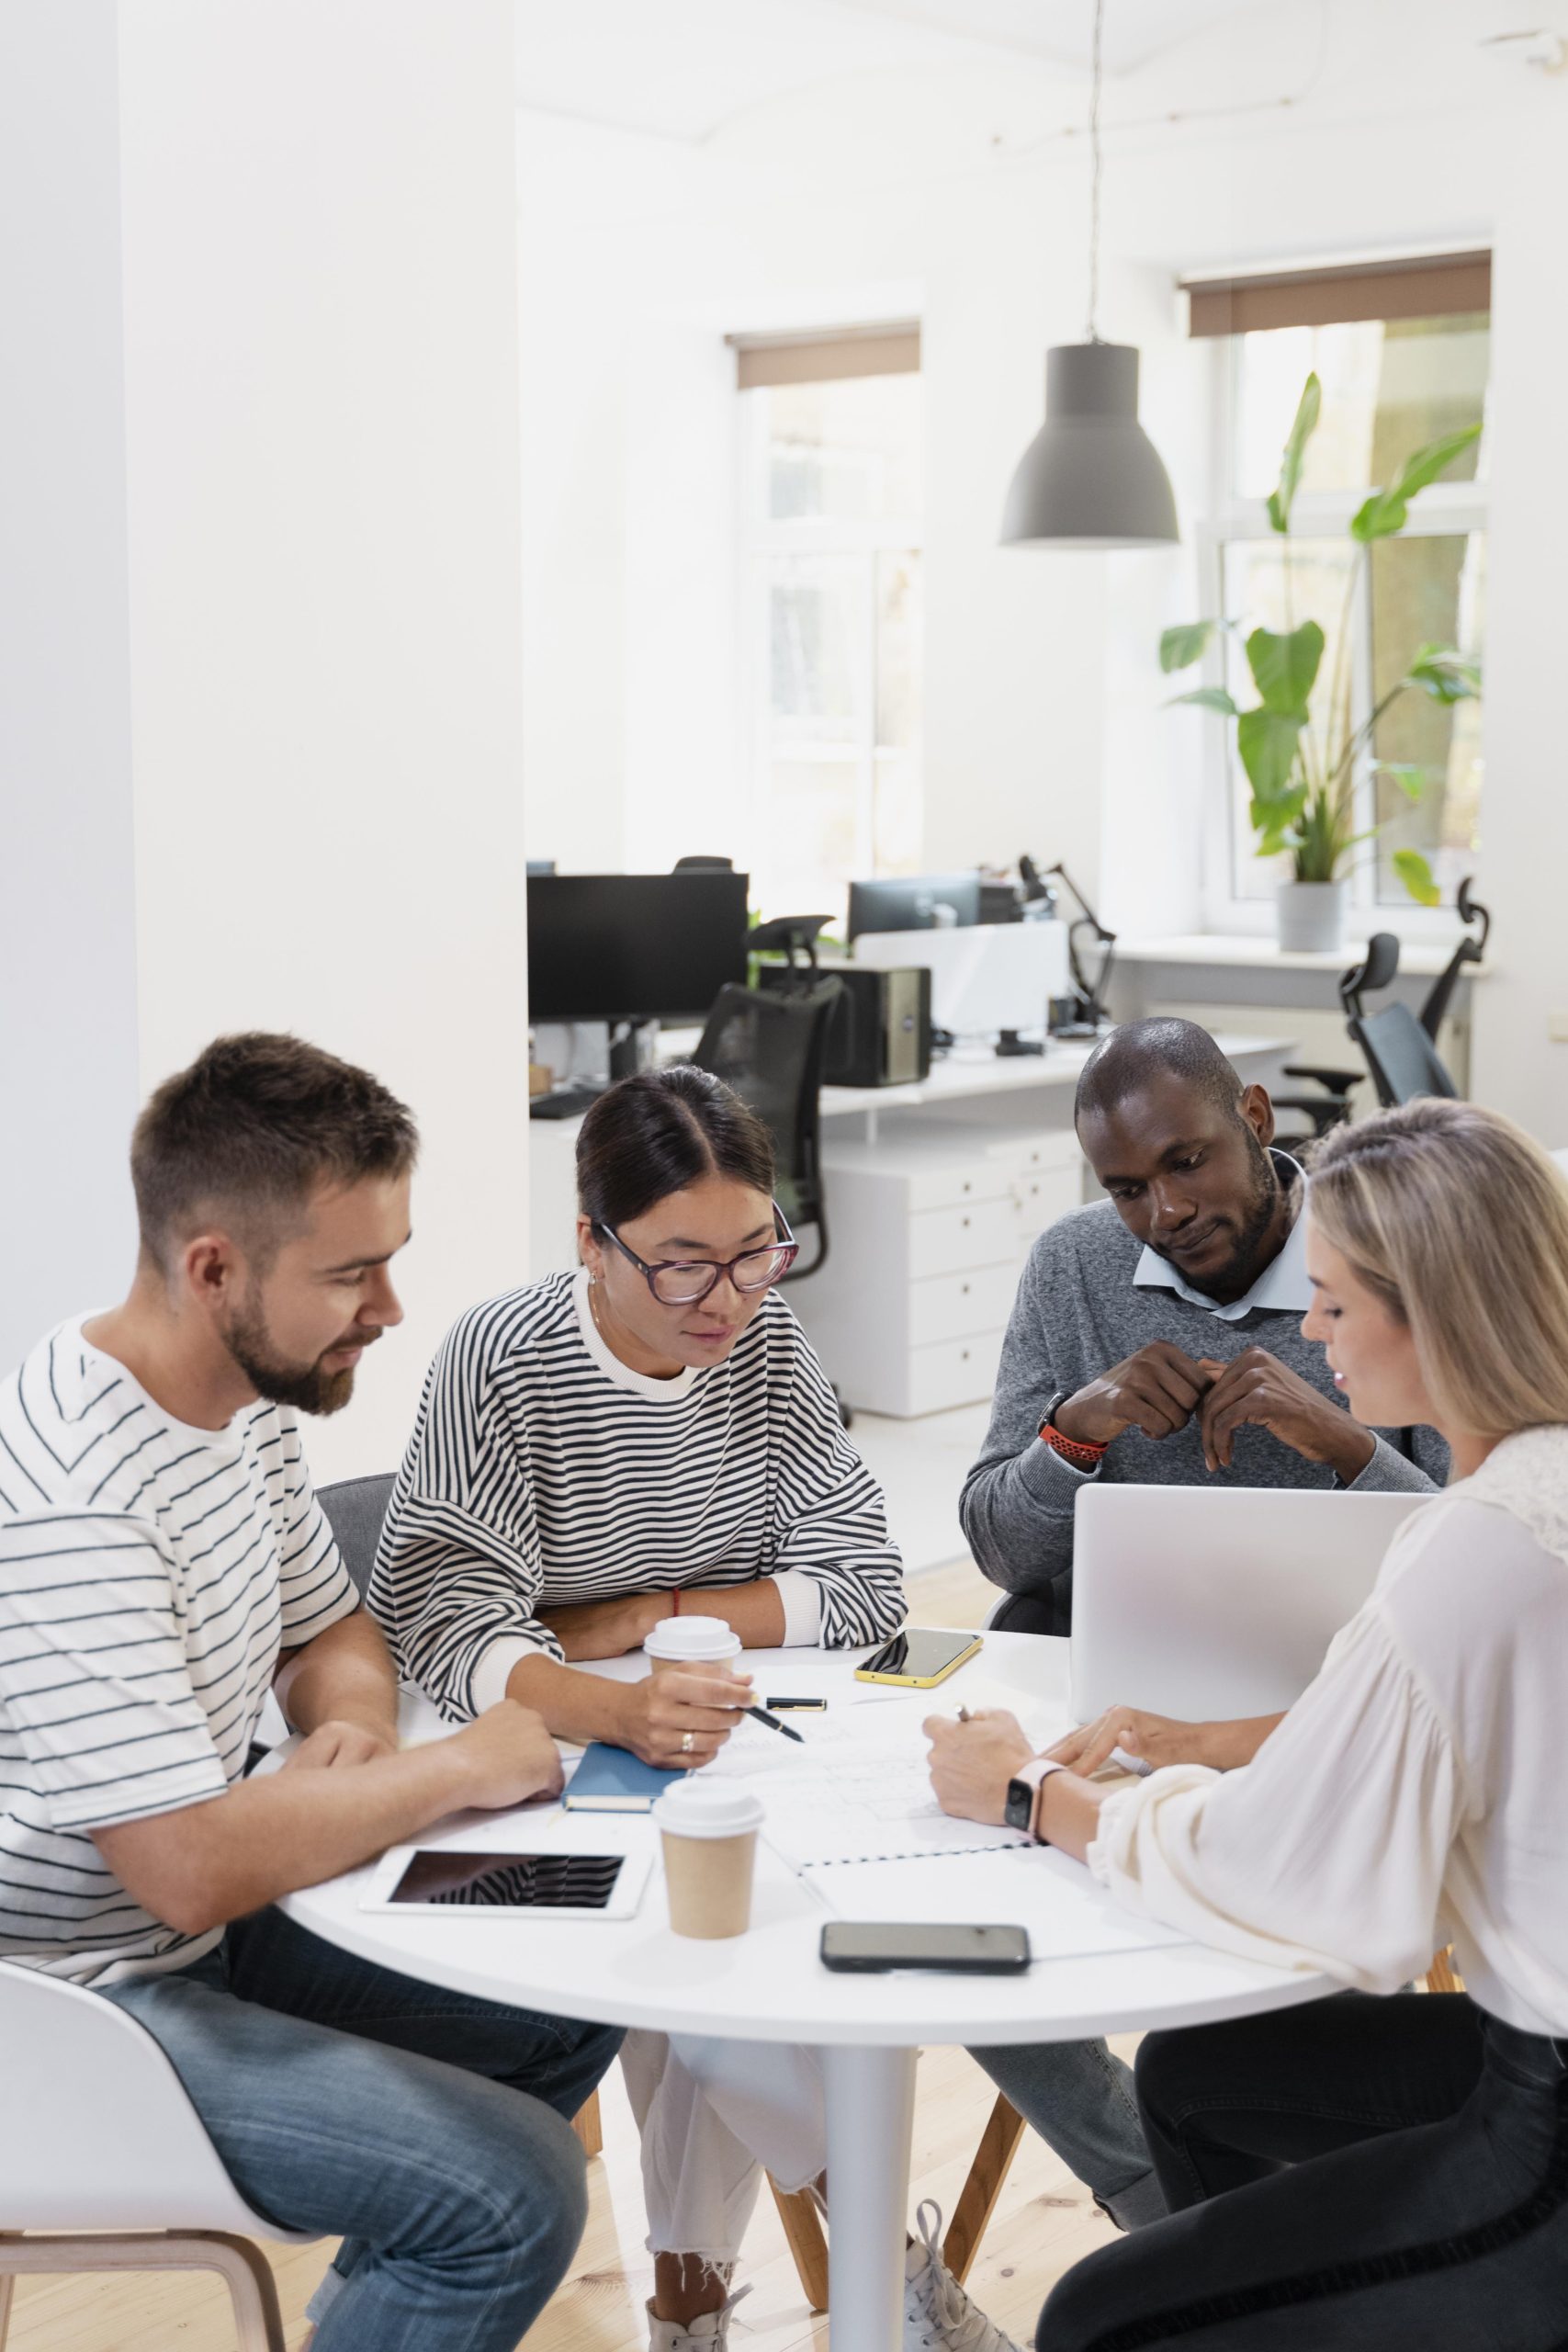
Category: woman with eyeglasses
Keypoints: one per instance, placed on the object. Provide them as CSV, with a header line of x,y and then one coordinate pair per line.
x,y
648,1436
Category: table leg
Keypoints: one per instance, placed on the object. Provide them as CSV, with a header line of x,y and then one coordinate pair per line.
x,y
870,2100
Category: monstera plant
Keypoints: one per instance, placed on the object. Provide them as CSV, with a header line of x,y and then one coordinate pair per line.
x,y
1299,748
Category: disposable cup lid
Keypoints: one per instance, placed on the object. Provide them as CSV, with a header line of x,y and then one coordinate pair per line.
x,y
697,1640
699,1808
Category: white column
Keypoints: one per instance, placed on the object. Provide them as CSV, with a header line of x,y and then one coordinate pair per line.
x,y
68,1044
319,585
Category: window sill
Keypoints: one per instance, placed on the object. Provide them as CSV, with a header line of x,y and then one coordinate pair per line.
x,y
1234,950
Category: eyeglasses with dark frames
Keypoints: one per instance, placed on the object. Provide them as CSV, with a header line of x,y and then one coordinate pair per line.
x,y
685,1282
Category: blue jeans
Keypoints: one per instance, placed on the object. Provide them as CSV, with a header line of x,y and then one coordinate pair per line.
x,y
430,2129
1079,2095
1362,2175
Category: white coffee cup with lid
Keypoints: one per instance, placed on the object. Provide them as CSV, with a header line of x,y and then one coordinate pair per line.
x,y
692,1641
709,1833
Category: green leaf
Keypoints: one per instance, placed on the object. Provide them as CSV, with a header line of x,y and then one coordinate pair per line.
x,y
1180,647
1276,823
1282,500
1448,676
1206,698
1410,776
1284,669
1268,743
1387,510
1417,876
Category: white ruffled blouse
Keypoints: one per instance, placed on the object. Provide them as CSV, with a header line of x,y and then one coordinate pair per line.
x,y
1414,1796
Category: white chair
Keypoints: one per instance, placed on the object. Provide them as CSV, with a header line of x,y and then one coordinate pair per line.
x,y
101,2137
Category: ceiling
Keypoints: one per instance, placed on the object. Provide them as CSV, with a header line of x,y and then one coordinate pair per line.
x,y
682,69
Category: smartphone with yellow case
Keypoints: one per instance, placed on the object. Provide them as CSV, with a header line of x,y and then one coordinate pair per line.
x,y
918,1658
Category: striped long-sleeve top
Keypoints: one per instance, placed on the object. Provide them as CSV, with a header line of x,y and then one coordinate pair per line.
x,y
150,1574
542,1472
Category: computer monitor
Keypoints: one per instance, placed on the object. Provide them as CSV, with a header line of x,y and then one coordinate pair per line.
x,y
986,978
910,902
633,946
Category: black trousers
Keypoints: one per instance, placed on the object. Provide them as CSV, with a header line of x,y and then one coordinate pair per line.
x,y
1357,2176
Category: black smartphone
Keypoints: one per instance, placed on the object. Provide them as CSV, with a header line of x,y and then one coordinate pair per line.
x,y
870,1946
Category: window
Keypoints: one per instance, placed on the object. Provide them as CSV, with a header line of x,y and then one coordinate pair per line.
x,y
1391,384
830,563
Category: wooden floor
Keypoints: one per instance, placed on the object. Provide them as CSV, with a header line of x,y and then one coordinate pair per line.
x,y
1044,2220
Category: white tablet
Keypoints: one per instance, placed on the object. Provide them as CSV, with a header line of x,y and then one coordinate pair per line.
x,y
410,1879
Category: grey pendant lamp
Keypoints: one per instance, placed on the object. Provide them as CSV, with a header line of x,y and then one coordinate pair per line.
x,y
1091,477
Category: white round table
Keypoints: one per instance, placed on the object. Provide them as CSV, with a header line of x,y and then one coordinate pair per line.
x,y
770,1985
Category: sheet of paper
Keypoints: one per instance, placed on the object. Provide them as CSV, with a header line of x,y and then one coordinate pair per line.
x,y
856,1799
1068,1915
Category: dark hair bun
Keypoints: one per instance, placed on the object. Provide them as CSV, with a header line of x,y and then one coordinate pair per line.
x,y
664,1129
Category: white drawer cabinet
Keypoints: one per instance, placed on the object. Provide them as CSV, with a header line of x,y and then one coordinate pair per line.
x,y
960,1307
945,1241
928,1233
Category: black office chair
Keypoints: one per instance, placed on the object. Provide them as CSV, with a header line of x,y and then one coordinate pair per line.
x,y
704,866
1399,1046
770,1049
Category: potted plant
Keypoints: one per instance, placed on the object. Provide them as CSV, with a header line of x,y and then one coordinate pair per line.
x,y
1303,759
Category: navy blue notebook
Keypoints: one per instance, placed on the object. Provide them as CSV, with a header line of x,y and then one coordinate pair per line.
x,y
612,1780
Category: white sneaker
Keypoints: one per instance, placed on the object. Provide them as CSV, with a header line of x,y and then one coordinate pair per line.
x,y
709,2332
937,2314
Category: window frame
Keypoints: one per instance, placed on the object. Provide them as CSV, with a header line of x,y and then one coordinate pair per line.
x,y
1443,510
761,541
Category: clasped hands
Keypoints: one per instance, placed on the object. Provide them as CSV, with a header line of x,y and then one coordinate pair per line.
x,y
1160,1388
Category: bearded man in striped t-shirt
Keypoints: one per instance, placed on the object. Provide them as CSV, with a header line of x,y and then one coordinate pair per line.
x,y
164,1565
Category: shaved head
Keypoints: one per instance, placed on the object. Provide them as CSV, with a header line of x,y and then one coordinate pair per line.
x,y
1124,1063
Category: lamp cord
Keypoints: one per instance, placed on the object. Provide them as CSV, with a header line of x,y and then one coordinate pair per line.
x,y
1091,334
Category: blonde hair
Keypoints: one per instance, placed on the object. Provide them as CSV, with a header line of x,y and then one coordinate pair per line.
x,y
1458,1221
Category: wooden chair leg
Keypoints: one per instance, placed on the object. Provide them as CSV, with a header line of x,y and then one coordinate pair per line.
x,y
1442,1976
258,2323
803,2228
978,2198
589,2126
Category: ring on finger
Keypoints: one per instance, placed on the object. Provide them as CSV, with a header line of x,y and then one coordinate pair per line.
x,y
687,1743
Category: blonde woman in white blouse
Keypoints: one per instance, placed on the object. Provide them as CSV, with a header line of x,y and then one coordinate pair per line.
x,y
1366,2172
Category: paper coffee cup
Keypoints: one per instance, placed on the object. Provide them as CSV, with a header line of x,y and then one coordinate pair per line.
x,y
692,1641
709,1834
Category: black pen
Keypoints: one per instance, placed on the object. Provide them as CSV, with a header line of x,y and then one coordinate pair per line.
x,y
762,1715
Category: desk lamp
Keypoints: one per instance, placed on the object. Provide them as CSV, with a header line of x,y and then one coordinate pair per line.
x,y
1091,1013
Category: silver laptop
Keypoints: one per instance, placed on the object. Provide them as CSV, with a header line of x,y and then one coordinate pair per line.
x,y
1209,1602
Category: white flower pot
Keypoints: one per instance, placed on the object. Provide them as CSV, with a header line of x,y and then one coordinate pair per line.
x,y
1311,917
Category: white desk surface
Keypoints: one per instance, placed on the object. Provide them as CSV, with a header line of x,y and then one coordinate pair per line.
x,y
770,1985
969,1071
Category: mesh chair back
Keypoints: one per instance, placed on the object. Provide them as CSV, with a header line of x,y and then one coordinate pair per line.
x,y
1402,1058
770,1049
355,1509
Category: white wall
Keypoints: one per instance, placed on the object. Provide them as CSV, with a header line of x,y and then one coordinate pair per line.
x,y
68,1076
320,591
1044,725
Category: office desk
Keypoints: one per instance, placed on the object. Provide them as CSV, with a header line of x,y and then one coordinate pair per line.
x,y
967,1090
770,1985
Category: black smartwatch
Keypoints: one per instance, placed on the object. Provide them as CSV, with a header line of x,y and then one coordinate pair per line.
x,y
1023,1790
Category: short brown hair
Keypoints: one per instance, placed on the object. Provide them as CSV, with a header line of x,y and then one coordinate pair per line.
x,y
249,1131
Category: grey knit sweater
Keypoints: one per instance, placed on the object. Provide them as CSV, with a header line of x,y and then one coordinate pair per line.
x,y
1076,1314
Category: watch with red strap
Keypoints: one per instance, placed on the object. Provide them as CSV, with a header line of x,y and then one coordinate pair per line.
x,y
1080,1453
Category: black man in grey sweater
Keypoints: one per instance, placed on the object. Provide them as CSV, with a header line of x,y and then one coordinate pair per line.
x,y
1157,1335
